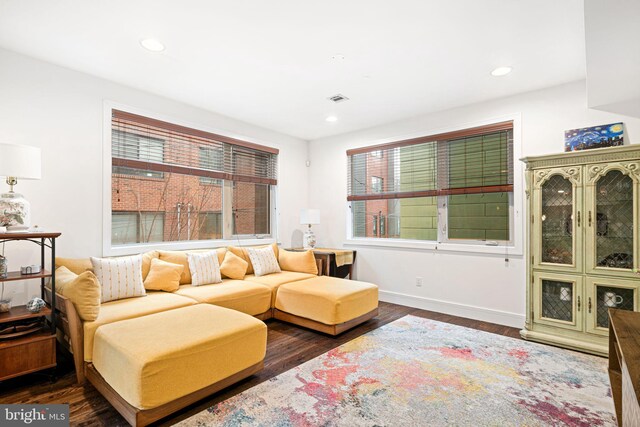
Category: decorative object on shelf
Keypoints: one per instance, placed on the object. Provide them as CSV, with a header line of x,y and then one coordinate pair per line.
x,y
309,217
612,300
611,135
35,304
31,269
3,267
5,302
17,161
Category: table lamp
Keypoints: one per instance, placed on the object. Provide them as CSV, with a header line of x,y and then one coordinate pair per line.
x,y
309,217
17,161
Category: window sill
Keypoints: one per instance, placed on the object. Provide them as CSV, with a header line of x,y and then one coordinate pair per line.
x,y
135,249
435,246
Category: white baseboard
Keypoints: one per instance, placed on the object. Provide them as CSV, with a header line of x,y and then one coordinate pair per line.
x,y
469,311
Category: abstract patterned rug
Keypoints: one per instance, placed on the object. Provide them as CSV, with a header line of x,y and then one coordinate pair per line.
x,y
419,372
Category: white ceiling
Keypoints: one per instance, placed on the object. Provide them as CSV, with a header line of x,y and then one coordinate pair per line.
x,y
269,62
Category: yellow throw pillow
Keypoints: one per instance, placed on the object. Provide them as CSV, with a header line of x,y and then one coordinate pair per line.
x,y
302,262
233,266
83,290
76,265
163,276
242,253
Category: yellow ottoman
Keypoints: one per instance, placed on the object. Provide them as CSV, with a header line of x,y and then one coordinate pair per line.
x,y
327,304
154,365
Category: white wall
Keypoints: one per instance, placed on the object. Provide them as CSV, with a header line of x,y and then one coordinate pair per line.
x,y
612,25
61,111
471,285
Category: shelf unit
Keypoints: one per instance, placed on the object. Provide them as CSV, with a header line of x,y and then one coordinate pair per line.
x,y
34,351
584,245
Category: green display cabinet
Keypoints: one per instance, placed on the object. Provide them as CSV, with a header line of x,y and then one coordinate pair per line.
x,y
583,244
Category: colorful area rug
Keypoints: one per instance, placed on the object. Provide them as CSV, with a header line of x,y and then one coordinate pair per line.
x,y
419,372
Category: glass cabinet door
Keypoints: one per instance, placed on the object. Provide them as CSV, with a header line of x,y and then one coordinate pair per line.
x,y
559,224
606,293
611,223
558,300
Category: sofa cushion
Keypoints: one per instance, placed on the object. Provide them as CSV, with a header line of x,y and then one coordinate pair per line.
x,y
76,265
264,261
273,281
302,262
119,277
163,276
205,268
129,308
242,253
80,265
180,257
327,300
233,266
155,359
247,297
82,289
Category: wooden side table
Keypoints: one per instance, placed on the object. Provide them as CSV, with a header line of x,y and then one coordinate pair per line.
x,y
25,349
328,259
624,365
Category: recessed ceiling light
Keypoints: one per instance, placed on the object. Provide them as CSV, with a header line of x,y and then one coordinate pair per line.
x,y
152,44
331,119
338,57
501,71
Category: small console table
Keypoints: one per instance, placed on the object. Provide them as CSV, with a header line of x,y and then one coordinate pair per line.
x,y
29,344
335,262
624,365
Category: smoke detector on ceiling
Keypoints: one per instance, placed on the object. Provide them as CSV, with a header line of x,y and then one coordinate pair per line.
x,y
338,98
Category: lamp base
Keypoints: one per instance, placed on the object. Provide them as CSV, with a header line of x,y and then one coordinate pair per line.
x,y
309,239
15,212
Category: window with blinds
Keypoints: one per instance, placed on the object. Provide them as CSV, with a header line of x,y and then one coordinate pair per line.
x,y
169,182
456,186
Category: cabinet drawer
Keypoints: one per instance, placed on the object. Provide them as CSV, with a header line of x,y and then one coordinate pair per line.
x,y
27,355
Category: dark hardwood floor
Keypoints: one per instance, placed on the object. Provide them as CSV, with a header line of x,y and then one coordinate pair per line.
x,y
288,346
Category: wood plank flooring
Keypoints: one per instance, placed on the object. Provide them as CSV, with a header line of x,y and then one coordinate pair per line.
x,y
288,346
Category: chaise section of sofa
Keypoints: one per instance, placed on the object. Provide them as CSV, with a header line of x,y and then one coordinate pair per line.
x,y
129,308
150,366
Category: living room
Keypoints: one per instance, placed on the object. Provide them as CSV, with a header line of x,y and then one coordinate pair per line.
x,y
258,76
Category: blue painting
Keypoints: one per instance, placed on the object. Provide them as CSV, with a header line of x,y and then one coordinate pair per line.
x,y
610,135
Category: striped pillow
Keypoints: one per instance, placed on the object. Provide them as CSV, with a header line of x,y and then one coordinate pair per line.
x,y
204,267
264,261
119,277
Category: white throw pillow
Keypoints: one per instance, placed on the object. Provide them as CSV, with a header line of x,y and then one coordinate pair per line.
x,y
204,268
119,277
264,261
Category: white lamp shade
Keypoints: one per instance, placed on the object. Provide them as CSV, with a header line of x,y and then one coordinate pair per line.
x,y
309,216
20,161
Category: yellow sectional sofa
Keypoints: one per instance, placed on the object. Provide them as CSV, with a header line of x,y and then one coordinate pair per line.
x,y
134,336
